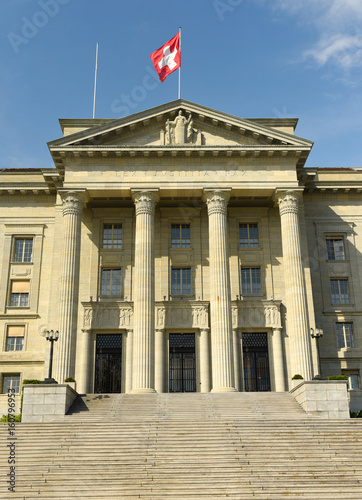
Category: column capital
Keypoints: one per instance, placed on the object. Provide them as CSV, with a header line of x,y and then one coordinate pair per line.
x,y
86,330
288,201
217,201
145,202
73,202
204,330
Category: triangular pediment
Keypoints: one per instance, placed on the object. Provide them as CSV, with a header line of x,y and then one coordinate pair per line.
x,y
179,128
182,123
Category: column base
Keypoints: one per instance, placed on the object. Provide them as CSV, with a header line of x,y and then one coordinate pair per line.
x,y
224,389
143,391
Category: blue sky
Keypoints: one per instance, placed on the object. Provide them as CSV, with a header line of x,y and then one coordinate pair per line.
x,y
249,58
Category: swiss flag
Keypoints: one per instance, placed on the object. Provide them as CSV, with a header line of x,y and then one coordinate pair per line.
x,y
167,58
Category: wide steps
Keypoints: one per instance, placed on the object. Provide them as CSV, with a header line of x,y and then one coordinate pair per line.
x,y
185,406
186,447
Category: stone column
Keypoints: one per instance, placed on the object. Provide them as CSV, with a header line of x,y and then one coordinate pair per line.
x,y
278,361
160,361
84,364
220,299
143,376
296,300
68,286
129,356
204,360
236,351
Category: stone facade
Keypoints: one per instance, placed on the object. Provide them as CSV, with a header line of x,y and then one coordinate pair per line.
x,y
196,254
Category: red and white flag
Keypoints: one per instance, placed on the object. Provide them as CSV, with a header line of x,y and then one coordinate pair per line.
x,y
167,58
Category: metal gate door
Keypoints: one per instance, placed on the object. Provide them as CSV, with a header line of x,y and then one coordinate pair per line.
x,y
256,362
182,362
108,367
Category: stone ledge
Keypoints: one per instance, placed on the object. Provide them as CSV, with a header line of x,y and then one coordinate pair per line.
x,y
323,398
46,402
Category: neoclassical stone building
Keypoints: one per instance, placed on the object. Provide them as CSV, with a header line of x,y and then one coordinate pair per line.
x,y
178,250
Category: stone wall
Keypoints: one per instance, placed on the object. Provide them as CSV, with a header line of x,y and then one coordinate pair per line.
x,y
46,402
325,398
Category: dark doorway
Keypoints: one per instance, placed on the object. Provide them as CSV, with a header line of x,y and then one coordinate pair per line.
x,y
182,362
256,362
108,367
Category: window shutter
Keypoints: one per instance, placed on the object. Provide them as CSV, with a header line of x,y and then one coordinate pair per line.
x,y
16,331
20,286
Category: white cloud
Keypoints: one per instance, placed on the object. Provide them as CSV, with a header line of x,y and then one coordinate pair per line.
x,y
337,26
344,50
331,13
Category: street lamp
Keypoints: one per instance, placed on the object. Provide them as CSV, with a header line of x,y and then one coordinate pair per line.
x,y
317,334
52,336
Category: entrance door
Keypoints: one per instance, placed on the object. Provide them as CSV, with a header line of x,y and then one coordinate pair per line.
x,y
256,362
182,362
108,367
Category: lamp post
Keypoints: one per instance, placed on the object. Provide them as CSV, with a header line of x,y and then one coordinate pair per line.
x,y
52,336
317,334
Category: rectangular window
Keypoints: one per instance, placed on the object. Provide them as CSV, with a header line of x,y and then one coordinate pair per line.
x,y
248,235
352,378
112,236
181,281
11,382
250,280
23,250
335,248
180,236
344,335
339,291
19,295
111,282
15,338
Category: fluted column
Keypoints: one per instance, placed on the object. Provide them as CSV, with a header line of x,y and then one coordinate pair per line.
x,y
143,377
296,300
220,299
68,285
278,361
204,360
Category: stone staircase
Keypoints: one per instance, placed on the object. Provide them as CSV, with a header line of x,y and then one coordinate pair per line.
x,y
186,446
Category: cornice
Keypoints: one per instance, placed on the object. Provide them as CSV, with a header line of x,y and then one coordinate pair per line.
x,y
62,154
331,180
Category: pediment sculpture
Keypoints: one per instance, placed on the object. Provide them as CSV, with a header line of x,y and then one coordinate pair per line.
x,y
180,131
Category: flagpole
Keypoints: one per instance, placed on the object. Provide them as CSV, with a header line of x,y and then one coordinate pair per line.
x,y
179,70
95,83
